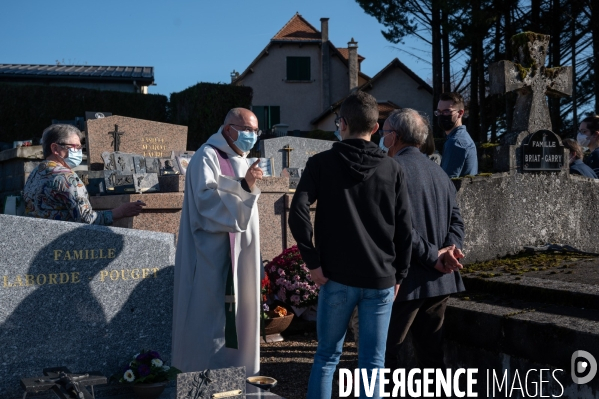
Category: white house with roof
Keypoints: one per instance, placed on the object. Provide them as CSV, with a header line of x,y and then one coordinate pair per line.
x,y
301,78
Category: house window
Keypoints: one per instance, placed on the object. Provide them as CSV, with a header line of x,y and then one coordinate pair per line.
x,y
268,115
298,68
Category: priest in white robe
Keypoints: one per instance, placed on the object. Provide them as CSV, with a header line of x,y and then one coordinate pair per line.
x,y
218,266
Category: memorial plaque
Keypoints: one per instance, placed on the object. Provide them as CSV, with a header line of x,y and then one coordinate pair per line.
x,y
117,183
108,158
139,163
124,163
143,137
542,151
146,183
169,167
153,165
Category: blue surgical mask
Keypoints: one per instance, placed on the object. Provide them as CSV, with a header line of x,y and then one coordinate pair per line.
x,y
246,140
74,158
382,145
338,135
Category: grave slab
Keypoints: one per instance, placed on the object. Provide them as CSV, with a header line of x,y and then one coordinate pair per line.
x,y
292,152
84,297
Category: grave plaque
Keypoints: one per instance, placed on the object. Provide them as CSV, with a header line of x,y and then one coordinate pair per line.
x,y
143,137
542,151
84,296
146,183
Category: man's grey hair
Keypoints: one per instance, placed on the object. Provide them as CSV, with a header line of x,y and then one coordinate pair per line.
x,y
411,126
58,133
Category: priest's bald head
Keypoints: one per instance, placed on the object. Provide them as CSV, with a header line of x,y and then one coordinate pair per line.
x,y
240,122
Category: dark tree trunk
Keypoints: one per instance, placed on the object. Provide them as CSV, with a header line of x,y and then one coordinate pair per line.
x,y
510,98
446,57
555,60
574,12
535,15
437,64
594,23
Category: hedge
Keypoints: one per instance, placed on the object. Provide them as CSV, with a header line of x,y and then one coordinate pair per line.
x,y
203,107
26,110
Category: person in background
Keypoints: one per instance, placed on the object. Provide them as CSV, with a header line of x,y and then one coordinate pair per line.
x,y
54,191
428,149
588,136
459,151
437,236
577,167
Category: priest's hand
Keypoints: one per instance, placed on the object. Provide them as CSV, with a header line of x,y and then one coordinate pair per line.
x,y
318,277
254,173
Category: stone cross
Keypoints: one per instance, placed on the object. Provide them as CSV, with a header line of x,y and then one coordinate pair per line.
x,y
532,81
288,149
116,138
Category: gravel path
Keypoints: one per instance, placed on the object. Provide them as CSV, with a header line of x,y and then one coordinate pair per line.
x,y
290,361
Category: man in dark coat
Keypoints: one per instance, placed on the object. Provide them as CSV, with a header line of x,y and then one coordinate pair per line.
x,y
362,240
437,236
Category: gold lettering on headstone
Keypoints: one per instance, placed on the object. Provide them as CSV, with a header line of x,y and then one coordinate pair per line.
x,y
75,277
116,275
29,279
38,280
123,275
103,275
57,253
110,253
52,278
135,274
144,273
78,254
67,256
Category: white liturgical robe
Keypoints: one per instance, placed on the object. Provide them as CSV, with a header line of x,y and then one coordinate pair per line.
x,y
215,205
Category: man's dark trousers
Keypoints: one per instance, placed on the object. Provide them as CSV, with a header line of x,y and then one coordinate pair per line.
x,y
424,318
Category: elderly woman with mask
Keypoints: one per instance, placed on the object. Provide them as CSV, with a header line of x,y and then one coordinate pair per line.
x,y
54,191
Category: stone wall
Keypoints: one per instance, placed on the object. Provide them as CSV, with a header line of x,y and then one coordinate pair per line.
x,y
503,212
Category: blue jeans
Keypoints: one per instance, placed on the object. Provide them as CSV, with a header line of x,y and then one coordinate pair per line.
x,y
335,305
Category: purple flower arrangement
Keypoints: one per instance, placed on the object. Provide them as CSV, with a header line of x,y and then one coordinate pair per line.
x,y
147,367
291,279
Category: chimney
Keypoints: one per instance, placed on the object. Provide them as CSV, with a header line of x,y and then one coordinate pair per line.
x,y
352,49
234,75
324,29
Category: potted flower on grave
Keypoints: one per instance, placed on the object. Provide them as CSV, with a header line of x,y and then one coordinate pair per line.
x,y
291,278
275,320
148,374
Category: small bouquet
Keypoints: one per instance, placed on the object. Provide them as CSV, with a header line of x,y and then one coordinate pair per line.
x,y
148,367
266,291
291,278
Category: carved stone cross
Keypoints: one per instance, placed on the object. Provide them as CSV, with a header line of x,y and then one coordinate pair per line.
x,y
288,149
531,80
116,138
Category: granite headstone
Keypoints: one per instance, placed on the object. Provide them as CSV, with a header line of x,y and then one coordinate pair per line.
x,y
138,136
80,296
292,152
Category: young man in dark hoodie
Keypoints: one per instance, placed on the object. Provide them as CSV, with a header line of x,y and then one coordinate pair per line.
x,y
362,235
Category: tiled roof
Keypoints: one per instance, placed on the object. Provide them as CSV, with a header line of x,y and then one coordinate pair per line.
x,y
345,54
298,29
78,72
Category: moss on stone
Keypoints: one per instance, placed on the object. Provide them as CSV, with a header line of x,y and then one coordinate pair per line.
x,y
489,145
523,263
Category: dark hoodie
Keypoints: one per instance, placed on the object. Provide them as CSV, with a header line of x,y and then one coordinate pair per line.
x,y
362,228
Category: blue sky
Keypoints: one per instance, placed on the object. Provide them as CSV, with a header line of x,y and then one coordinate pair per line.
x,y
185,41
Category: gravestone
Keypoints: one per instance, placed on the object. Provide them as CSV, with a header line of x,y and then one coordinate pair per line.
x,y
130,135
542,151
84,297
292,152
533,82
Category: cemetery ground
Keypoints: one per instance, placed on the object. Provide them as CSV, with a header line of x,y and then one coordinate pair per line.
x,y
560,285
